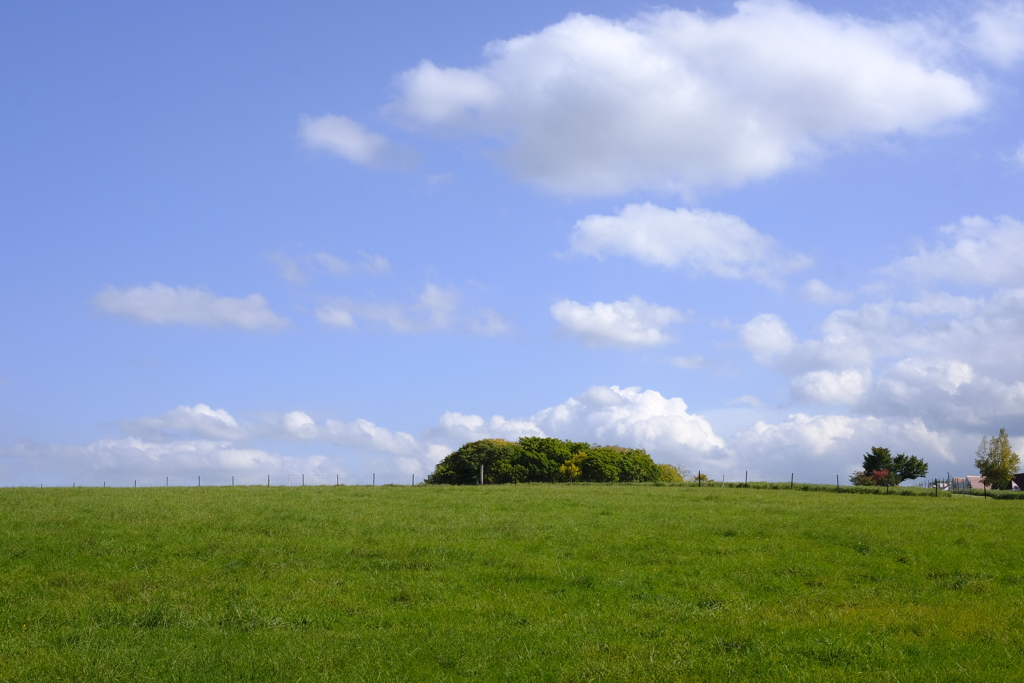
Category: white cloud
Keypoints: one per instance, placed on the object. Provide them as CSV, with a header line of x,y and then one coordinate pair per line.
x,y
336,316
632,417
165,305
607,415
803,443
332,264
457,428
689,362
620,323
1019,156
200,420
300,425
766,337
365,434
372,263
703,241
999,33
375,263
675,100
435,309
820,293
982,252
488,323
134,454
346,138
826,386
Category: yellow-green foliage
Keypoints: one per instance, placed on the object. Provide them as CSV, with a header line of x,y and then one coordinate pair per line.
x,y
996,461
570,469
670,474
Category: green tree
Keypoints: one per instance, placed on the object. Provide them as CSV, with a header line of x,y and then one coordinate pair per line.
x,y
880,468
671,474
500,459
996,461
539,459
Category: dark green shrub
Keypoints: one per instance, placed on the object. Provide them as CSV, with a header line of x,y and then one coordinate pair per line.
x,y
540,459
500,459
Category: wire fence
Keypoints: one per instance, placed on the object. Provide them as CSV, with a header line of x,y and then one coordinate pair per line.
x,y
970,485
738,477
372,479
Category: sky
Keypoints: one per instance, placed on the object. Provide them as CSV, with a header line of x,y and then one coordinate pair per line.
x,y
334,239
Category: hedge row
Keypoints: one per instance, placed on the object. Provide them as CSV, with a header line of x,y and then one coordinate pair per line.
x,y
536,459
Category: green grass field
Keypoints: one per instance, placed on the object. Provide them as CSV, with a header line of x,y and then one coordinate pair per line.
x,y
525,583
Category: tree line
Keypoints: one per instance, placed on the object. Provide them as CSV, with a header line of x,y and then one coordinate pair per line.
x,y
541,459
995,459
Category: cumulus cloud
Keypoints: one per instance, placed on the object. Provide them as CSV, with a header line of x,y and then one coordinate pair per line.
x,y
766,337
198,420
826,386
676,100
365,434
999,33
702,241
626,324
837,442
947,360
611,415
344,137
980,251
133,457
163,305
818,292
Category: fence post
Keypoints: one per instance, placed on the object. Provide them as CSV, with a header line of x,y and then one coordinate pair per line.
x,y
698,478
837,483
136,484
414,480
337,479
167,481
936,488
268,480
303,479
746,477
481,474
791,477
373,481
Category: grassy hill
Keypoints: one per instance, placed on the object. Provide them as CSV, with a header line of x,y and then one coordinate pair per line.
x,y
525,583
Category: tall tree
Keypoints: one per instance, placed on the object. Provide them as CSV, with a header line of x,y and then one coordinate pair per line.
x,y
996,461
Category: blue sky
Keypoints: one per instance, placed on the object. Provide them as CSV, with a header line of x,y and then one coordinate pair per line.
x,y
343,239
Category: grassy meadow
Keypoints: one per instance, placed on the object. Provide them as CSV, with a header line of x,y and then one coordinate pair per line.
x,y
508,583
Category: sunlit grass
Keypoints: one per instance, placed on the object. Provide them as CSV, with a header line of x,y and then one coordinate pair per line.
x,y
530,583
